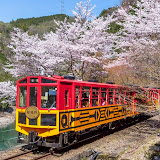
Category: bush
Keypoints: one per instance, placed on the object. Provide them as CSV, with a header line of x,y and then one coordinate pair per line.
x,y
3,106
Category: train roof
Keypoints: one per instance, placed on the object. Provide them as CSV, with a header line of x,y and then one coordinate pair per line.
x,y
84,83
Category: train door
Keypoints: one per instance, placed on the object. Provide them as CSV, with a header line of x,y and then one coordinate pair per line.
x,y
66,95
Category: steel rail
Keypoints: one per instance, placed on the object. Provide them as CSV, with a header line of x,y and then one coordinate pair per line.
x,y
42,156
18,155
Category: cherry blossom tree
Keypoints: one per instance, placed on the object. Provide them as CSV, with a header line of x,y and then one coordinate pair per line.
x,y
7,92
84,10
139,39
84,42
32,55
73,48
141,20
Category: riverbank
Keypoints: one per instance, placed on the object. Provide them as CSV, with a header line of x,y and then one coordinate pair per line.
x,y
7,118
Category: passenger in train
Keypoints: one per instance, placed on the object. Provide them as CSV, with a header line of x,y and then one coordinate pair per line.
x,y
94,102
103,102
84,100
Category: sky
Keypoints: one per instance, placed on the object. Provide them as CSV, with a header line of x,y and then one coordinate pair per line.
x,y
14,9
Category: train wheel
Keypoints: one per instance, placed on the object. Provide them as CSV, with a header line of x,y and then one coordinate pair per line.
x,y
51,150
112,125
123,122
55,152
129,120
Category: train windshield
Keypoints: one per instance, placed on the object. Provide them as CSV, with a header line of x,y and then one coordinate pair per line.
x,y
23,96
48,97
33,96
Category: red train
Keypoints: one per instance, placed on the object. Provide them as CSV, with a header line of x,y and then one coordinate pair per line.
x,y
54,111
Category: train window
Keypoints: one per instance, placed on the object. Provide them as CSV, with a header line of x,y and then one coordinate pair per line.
x,y
66,98
103,96
33,96
123,95
117,97
33,121
23,81
77,97
145,94
47,81
111,96
22,118
155,94
86,89
85,96
22,96
33,80
120,97
48,119
95,96
103,89
142,94
150,95
48,97
128,98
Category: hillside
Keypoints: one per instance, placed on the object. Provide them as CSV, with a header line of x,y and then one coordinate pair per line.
x,y
33,25
40,22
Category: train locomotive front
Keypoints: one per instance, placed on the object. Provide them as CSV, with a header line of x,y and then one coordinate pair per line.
x,y
54,112
37,113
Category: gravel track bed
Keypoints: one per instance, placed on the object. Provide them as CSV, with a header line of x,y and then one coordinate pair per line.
x,y
130,143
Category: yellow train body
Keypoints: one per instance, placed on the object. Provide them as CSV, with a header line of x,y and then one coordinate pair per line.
x,y
75,119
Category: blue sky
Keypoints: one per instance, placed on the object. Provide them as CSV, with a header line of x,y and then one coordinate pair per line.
x,y
14,9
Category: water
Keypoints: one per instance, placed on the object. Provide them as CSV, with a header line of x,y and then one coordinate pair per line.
x,y
8,137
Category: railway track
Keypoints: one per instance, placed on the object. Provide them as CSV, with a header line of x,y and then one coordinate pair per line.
x,y
37,155
29,155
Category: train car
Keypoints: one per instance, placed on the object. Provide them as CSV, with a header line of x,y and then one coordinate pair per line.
x,y
147,99
54,111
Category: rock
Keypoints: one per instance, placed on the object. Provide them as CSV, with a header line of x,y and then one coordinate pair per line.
x,y
106,156
112,156
156,158
157,148
102,156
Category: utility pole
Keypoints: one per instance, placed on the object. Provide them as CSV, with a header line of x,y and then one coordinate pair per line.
x,y
62,6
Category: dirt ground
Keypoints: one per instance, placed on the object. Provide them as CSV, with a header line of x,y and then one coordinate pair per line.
x,y
130,143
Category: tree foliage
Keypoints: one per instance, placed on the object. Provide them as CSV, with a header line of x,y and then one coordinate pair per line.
x,y
72,48
141,41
